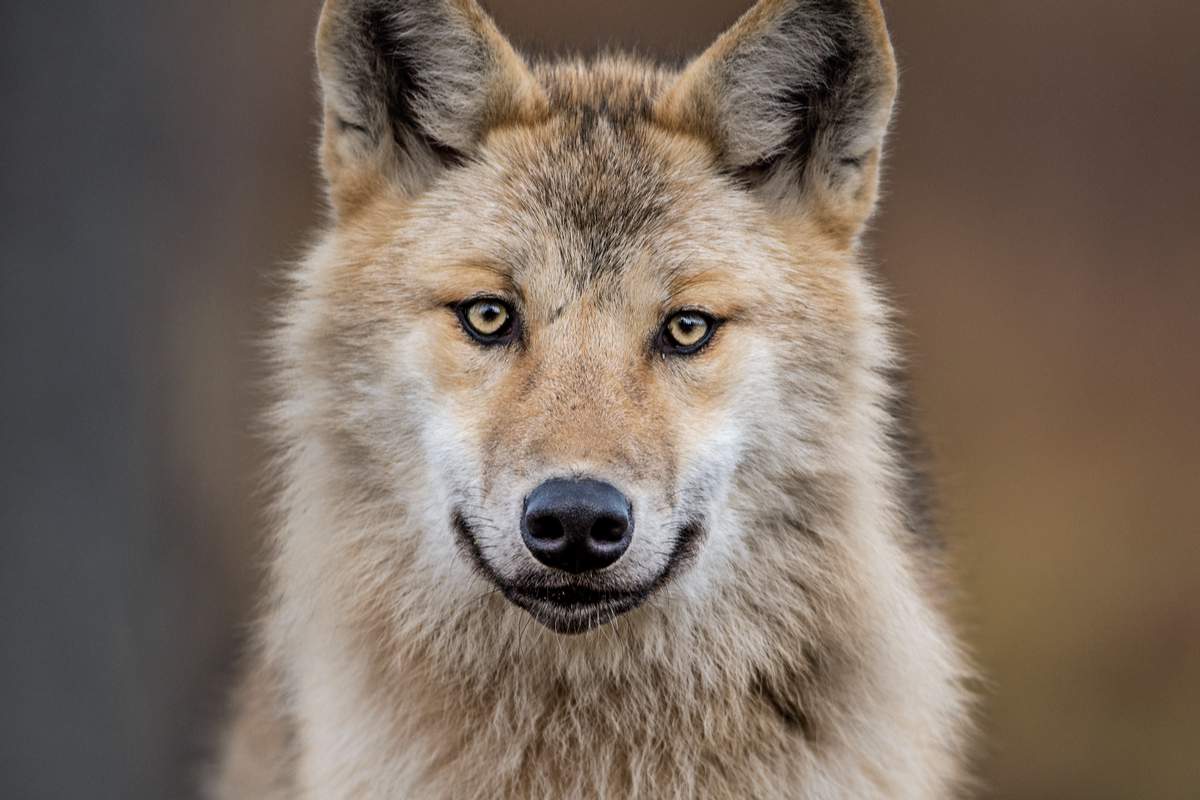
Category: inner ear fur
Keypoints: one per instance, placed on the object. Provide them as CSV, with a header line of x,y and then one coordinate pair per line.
x,y
410,87
795,98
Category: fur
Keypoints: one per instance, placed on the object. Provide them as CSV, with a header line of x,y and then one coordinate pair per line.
x,y
792,641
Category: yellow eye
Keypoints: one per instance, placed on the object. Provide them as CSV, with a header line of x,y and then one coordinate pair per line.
x,y
687,331
487,319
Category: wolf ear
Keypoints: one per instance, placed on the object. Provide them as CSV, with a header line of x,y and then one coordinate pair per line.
x,y
410,87
796,99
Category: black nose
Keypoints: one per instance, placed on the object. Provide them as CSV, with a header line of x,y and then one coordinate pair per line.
x,y
577,525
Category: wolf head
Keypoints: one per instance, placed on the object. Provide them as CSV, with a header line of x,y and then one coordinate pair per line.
x,y
583,333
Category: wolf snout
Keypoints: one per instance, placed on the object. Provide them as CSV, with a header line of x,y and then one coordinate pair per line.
x,y
577,526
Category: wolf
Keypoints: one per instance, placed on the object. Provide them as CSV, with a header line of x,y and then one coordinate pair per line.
x,y
594,479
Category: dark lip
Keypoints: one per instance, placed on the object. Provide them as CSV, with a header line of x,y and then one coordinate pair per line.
x,y
573,608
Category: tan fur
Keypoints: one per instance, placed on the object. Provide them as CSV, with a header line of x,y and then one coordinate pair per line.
x,y
800,651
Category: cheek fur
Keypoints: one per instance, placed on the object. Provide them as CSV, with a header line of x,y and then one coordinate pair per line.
x,y
703,389
459,369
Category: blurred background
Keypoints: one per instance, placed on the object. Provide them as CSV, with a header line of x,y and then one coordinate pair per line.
x,y
1041,230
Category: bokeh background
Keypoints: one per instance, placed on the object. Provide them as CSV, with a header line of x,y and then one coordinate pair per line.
x,y
1041,231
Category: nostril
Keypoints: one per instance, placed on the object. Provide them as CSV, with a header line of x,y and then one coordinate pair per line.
x,y
609,529
578,525
546,527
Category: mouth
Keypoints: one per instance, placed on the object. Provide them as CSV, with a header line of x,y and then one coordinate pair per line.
x,y
580,606
572,609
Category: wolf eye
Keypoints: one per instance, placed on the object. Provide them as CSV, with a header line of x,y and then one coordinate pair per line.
x,y
685,332
486,319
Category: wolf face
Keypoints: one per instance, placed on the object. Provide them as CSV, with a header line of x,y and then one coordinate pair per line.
x,y
577,303
589,343
569,315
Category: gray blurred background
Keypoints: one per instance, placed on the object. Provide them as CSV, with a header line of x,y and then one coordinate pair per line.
x,y
1041,230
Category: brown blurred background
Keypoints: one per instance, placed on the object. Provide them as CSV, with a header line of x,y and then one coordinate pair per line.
x,y
1041,230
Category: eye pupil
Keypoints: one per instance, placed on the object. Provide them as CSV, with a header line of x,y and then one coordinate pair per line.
x,y
486,319
687,332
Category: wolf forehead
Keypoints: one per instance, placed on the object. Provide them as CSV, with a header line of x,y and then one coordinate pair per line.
x,y
597,178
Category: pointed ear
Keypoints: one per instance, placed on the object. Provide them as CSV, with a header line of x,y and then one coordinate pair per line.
x,y
410,88
796,99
